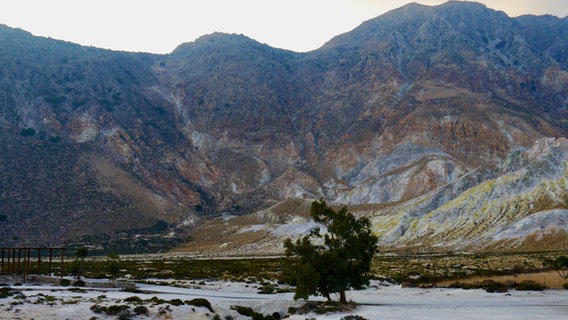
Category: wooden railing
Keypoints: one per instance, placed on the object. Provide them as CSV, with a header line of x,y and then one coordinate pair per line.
x,y
27,260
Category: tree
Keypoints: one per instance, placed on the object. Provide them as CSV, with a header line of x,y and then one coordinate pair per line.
x,y
334,260
77,265
82,253
560,264
113,264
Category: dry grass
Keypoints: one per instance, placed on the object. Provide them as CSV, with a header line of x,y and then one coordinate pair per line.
x,y
223,235
444,269
549,279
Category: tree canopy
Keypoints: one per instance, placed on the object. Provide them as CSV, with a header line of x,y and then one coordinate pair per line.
x,y
560,264
332,260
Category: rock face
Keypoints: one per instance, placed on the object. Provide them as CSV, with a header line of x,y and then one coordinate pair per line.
x,y
498,213
412,108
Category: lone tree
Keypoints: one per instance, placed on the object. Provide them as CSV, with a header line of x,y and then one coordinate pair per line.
x,y
77,265
332,260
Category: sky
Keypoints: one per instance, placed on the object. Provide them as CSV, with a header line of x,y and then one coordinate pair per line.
x,y
160,26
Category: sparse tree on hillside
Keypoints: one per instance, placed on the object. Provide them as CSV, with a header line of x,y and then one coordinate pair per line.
x,y
332,260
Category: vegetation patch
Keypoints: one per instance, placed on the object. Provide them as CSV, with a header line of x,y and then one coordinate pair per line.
x,y
112,310
321,308
134,299
141,310
495,286
353,317
6,292
200,302
64,282
249,312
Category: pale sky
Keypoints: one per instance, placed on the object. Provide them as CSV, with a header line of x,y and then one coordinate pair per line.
x,y
160,26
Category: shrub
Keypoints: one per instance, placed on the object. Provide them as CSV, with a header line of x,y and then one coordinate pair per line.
x,y
200,302
141,310
133,299
78,283
565,286
28,132
267,289
245,311
97,309
492,286
116,309
529,285
248,312
6,292
157,300
292,310
125,315
64,282
176,302
353,317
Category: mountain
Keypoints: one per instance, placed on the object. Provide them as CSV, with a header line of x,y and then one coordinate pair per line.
x,y
404,119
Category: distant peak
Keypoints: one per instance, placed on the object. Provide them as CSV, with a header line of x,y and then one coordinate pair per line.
x,y
460,6
217,39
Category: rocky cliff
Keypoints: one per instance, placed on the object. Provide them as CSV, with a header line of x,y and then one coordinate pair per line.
x,y
421,108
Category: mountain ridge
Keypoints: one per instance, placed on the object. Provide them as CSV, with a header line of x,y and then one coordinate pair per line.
x,y
386,113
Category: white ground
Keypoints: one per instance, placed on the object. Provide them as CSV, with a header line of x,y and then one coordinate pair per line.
x,y
378,302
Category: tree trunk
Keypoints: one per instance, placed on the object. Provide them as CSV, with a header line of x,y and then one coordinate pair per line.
x,y
342,297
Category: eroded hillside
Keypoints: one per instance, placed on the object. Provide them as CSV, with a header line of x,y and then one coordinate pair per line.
x,y
406,112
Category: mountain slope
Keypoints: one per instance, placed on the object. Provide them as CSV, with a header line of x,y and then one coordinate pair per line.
x,y
410,109
531,200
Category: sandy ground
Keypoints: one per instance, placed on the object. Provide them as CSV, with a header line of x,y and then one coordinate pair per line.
x,y
377,302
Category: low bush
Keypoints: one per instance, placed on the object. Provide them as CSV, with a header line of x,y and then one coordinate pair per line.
x,y
78,283
113,310
116,309
292,310
133,299
97,309
353,317
125,315
529,285
157,300
6,292
64,282
141,310
267,289
200,302
494,286
248,312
